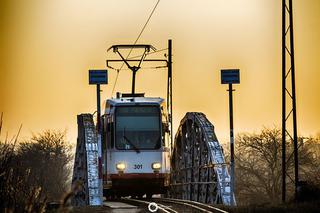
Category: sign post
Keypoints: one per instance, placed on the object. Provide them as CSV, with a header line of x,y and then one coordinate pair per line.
x,y
231,76
98,77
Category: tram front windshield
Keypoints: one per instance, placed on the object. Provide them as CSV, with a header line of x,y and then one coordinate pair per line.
x,y
138,127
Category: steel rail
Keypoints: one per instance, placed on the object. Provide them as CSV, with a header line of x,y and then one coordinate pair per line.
x,y
191,203
161,207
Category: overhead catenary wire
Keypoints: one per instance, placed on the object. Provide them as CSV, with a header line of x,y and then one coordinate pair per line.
x,y
135,42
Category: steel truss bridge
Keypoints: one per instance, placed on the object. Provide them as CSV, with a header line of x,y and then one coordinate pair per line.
x,y
198,168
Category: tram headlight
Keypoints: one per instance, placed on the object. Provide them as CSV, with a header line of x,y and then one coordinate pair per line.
x,y
156,166
121,166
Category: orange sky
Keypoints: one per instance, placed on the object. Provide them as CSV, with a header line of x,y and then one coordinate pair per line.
x,y
48,46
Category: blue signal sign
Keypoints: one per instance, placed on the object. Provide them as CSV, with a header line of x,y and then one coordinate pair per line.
x,y
98,76
230,76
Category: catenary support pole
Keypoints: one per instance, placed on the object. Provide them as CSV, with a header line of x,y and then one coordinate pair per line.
x,y
170,89
289,91
294,108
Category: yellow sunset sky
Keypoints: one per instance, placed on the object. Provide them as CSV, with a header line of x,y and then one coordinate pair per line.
x,y
48,46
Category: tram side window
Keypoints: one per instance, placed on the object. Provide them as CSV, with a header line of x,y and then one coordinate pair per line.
x,y
104,136
111,134
106,131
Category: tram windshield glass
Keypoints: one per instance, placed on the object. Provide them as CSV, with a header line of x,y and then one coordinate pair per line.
x,y
138,127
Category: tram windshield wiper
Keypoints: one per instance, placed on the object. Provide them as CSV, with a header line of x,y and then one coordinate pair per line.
x,y
129,141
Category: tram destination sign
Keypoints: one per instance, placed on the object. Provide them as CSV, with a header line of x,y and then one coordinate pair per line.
x,y
230,76
98,76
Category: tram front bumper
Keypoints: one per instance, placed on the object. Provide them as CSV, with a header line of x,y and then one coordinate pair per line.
x,y
140,183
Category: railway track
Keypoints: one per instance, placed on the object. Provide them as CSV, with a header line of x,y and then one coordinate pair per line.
x,y
152,206
169,205
191,204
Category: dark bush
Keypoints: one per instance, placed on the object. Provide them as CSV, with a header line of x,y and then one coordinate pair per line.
x,y
33,172
308,191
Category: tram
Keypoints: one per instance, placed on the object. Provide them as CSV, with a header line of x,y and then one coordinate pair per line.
x,y
137,154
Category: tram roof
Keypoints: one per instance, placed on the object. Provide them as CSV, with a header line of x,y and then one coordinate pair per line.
x,y
134,100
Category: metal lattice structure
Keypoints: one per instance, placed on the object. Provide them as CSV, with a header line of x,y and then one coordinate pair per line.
x,y
198,168
86,171
289,109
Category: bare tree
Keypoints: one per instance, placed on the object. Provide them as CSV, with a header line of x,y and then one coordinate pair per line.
x,y
258,166
310,170
47,155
